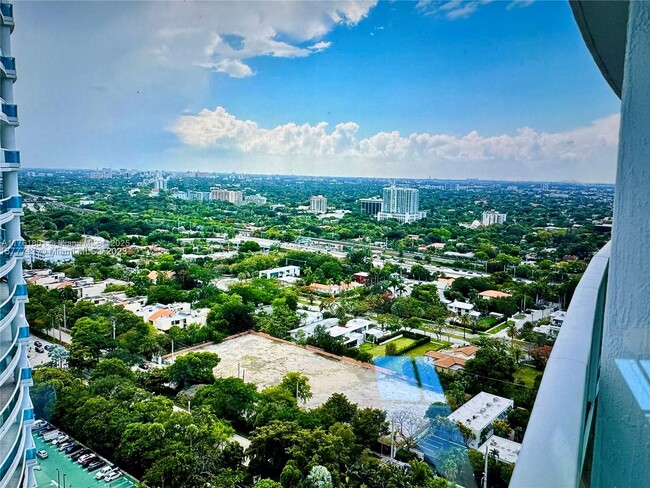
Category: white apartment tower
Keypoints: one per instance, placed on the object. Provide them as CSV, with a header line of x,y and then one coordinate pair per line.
x,y
492,217
402,204
318,204
17,451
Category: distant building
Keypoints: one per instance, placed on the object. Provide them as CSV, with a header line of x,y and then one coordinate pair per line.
x,y
371,206
489,294
283,272
401,204
479,413
226,195
492,217
159,181
255,199
318,204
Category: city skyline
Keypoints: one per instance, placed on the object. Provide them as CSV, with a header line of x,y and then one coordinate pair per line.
x,y
286,89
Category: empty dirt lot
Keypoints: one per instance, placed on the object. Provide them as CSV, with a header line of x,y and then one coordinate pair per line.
x,y
265,362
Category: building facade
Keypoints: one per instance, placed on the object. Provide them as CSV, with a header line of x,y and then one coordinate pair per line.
x,y
370,206
318,204
226,195
17,451
492,217
401,204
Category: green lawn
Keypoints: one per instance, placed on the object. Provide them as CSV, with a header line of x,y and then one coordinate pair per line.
x,y
380,350
431,346
498,328
527,373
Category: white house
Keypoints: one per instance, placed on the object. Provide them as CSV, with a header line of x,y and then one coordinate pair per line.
x,y
462,308
283,272
479,413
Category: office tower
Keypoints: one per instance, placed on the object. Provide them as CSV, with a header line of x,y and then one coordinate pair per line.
x,y
17,452
370,206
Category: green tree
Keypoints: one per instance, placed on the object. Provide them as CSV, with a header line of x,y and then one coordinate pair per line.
x,y
229,398
193,368
297,384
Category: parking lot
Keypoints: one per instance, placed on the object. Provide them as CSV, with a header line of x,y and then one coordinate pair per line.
x,y
59,470
38,358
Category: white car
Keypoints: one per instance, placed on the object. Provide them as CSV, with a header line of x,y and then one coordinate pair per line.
x,y
103,472
59,440
112,476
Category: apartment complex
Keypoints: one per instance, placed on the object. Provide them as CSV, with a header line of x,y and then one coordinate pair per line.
x,y
492,217
318,204
17,452
226,195
401,204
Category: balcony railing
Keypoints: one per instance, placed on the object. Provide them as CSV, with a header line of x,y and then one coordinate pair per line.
x,y
9,62
11,157
556,450
7,10
10,110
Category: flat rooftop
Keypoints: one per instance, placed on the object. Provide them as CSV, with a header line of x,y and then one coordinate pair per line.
x,y
266,361
480,410
508,450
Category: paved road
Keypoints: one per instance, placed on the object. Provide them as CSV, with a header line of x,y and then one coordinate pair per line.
x,y
37,358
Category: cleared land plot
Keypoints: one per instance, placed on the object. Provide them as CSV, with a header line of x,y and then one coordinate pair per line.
x,y
527,374
266,361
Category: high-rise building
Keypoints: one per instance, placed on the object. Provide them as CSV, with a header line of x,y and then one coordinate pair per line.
x,y
17,451
492,217
402,204
159,182
226,195
318,204
370,206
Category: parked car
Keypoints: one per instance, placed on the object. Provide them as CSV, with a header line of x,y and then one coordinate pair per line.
x,y
89,460
75,456
95,465
42,454
88,455
49,347
104,471
60,440
51,434
63,445
73,448
38,343
112,476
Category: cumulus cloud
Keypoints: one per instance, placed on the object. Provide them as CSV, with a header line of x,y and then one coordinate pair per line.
x,y
230,36
595,143
233,67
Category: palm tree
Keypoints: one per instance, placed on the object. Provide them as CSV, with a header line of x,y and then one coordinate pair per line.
x,y
512,333
465,321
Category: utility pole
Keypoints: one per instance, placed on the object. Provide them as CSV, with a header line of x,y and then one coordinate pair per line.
x,y
485,468
113,320
65,320
172,349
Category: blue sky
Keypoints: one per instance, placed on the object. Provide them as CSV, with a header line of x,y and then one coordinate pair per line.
x,y
442,89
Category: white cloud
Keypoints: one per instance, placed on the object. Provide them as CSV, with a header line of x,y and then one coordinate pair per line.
x,y
233,67
274,29
458,9
320,46
527,150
